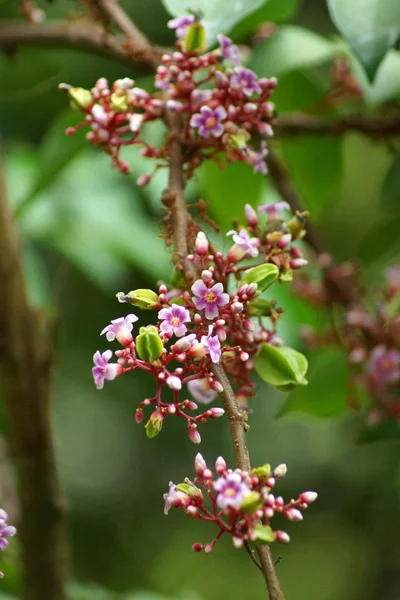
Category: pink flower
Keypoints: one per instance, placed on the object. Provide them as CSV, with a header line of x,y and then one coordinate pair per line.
x,y
246,80
209,299
273,210
231,491
174,498
384,366
249,246
201,391
181,25
208,121
212,345
103,370
121,330
174,319
228,49
256,159
5,530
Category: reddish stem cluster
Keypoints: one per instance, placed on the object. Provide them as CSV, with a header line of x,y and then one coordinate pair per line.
x,y
242,503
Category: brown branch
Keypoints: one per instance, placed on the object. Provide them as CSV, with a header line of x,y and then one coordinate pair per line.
x,y
80,33
25,368
296,124
284,186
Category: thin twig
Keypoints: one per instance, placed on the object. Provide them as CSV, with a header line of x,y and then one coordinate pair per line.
x,y
297,124
26,356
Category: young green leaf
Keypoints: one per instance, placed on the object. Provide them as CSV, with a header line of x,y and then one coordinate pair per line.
x,y
371,27
264,534
263,276
281,366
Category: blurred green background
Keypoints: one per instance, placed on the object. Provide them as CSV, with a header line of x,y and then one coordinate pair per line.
x,y
89,232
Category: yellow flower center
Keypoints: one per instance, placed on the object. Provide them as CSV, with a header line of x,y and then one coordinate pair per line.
x,y
175,321
210,122
210,297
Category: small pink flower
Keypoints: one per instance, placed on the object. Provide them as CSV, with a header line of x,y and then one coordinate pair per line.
x,y
384,366
103,370
212,345
248,246
273,210
209,299
256,159
201,391
120,329
174,498
181,24
228,49
246,80
208,121
174,319
231,491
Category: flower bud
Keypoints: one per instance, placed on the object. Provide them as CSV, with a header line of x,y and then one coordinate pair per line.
x,y
280,471
197,351
220,465
139,416
194,436
293,514
149,346
201,244
251,215
199,464
215,412
135,122
216,386
174,383
197,547
146,299
282,537
237,542
154,424
237,307
190,405
298,263
119,102
284,241
80,97
308,497
143,180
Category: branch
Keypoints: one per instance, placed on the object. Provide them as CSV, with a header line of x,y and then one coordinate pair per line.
x,y
81,33
284,186
297,124
26,356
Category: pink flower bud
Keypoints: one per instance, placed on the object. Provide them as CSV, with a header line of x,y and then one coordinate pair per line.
x,y
215,412
295,252
237,542
294,515
244,356
197,351
284,241
139,416
191,510
201,244
191,405
206,275
282,537
237,307
265,129
143,180
197,547
280,471
171,409
251,215
163,289
220,465
207,474
194,436
216,386
208,548
184,343
174,383
298,263
250,107
308,497
199,464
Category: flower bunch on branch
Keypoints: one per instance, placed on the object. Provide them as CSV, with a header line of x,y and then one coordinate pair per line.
x,y
241,504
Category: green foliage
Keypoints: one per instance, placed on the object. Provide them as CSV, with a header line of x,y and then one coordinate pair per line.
x,y
264,534
272,11
325,395
281,366
290,49
390,192
228,190
371,27
388,429
219,16
263,276
386,84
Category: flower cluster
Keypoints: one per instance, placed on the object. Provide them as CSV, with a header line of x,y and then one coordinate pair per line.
x,y
206,323
221,102
368,329
5,532
242,504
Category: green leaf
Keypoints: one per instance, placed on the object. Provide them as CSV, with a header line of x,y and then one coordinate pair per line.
x,y
317,178
228,190
272,11
384,236
281,366
263,276
386,85
390,192
290,49
36,279
325,395
388,429
371,27
264,534
57,150
219,16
